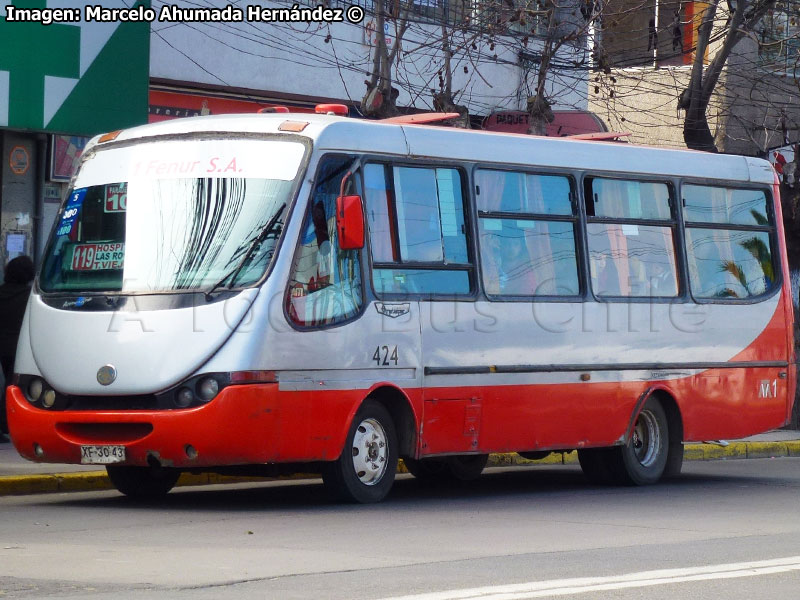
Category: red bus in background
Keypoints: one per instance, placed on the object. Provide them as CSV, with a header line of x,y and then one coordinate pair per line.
x,y
164,106
566,122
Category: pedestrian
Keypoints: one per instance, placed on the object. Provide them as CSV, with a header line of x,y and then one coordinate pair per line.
x,y
779,164
13,299
677,32
652,34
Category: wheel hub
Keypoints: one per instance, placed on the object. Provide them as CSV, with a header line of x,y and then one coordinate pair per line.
x,y
370,451
646,439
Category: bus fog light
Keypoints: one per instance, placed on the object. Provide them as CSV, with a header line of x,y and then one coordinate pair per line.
x,y
49,399
38,450
207,388
35,388
184,397
191,451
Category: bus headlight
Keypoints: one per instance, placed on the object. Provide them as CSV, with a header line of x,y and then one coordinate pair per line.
x,y
207,388
49,398
35,389
184,397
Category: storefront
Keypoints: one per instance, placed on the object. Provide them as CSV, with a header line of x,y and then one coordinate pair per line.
x,y
20,179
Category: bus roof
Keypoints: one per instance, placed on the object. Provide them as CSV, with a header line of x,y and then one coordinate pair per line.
x,y
500,149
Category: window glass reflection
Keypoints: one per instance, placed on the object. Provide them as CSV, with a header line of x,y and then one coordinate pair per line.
x,y
528,257
706,204
150,235
729,264
632,260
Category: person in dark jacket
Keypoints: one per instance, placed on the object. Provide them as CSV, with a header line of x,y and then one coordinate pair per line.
x,y
13,298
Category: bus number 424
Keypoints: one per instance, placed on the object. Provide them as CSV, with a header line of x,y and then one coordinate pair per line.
x,y
384,356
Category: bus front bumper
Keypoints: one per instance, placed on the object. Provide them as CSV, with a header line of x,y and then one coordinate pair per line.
x,y
244,424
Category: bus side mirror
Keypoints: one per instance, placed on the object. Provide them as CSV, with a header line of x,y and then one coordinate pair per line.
x,y
350,222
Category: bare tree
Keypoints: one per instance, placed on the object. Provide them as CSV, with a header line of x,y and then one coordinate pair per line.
x,y
561,24
444,98
380,99
741,21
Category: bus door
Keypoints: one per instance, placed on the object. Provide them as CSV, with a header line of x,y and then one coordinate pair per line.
x,y
342,342
453,387
421,265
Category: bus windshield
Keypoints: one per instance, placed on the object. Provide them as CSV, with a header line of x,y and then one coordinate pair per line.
x,y
172,216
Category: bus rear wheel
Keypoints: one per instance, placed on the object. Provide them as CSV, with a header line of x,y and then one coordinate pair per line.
x,y
597,465
643,459
143,482
365,470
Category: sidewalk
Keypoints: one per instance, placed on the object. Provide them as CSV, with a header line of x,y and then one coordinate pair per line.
x,y
19,476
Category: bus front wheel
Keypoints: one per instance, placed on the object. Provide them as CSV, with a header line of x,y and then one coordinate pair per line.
x,y
365,470
143,482
467,467
427,469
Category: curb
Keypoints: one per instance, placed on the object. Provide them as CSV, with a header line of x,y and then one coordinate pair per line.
x,y
97,480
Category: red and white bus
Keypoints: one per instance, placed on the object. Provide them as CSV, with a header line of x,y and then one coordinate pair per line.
x,y
231,292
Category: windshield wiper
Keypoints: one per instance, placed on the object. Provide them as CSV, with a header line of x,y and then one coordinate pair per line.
x,y
234,273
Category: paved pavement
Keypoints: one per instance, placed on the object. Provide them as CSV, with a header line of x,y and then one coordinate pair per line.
x,y
20,476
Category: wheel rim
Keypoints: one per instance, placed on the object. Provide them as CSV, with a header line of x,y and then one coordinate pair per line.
x,y
370,451
646,438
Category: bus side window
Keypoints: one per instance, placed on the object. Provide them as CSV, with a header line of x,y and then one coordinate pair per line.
x,y
728,242
417,230
527,234
631,238
325,284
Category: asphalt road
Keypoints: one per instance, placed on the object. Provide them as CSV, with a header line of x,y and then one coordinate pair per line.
x,y
724,529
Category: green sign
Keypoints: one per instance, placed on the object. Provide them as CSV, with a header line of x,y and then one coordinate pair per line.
x,y
71,76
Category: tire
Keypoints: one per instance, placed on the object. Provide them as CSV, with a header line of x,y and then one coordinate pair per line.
x,y
674,459
535,454
3,418
365,470
643,459
144,483
597,465
675,455
467,467
428,469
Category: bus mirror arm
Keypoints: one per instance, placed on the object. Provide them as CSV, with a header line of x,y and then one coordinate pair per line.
x,y
350,222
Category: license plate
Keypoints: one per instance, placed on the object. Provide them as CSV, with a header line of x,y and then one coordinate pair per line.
x,y
102,455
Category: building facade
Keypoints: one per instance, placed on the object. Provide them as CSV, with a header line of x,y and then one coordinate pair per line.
x,y
646,53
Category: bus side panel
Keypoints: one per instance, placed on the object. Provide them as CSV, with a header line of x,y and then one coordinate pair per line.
x,y
533,416
788,303
736,402
732,403
522,362
714,404
507,418
558,416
